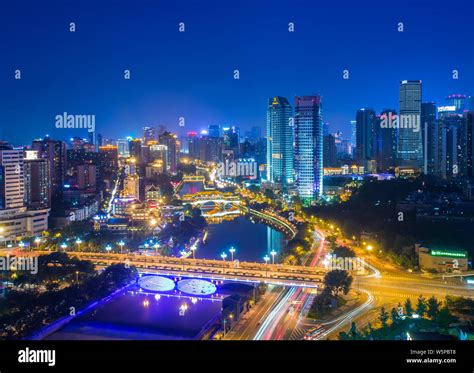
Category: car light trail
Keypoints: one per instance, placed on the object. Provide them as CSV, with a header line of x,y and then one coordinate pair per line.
x,y
274,315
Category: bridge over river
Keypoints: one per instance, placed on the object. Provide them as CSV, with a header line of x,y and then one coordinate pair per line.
x,y
302,276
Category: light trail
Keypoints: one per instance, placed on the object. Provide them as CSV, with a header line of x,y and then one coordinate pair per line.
x,y
268,324
114,192
347,317
298,298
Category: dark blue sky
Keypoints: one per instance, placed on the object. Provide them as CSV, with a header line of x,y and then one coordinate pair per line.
x,y
191,74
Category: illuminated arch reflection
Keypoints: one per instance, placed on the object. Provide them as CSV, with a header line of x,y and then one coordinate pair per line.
x,y
197,287
156,283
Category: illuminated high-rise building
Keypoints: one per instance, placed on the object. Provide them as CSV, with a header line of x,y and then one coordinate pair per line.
x,y
353,136
122,148
149,134
172,146
37,180
279,142
55,152
365,135
12,181
409,139
309,148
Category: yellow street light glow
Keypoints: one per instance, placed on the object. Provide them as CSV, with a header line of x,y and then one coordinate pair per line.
x,y
370,247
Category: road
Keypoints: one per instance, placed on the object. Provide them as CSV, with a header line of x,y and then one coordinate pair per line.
x,y
386,286
287,314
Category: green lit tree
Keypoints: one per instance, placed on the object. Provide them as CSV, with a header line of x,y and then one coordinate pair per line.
x,y
383,317
421,306
433,307
408,308
394,315
338,281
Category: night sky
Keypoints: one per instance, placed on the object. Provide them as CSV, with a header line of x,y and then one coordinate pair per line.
x,y
190,74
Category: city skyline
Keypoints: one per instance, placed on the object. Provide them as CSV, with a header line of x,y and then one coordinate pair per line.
x,y
174,173
199,85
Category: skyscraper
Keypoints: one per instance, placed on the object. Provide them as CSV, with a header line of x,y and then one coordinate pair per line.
x,y
430,138
385,144
55,152
37,181
353,136
214,130
409,140
122,148
469,148
459,101
329,151
365,138
135,150
309,147
172,146
15,220
149,134
12,182
279,142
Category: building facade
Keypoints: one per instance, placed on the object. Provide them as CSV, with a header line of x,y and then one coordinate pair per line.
x,y
279,142
308,125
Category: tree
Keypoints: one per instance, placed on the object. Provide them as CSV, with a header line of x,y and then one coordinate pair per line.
x,y
394,315
353,332
370,332
408,308
433,307
337,281
344,252
383,317
421,306
444,318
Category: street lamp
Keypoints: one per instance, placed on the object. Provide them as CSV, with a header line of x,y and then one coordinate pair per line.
x,y
78,243
108,248
156,247
223,256
232,251
266,258
77,277
64,246
183,256
121,244
193,249
37,242
21,245
273,253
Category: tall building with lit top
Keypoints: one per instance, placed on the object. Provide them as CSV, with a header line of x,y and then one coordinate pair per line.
x,y
279,142
409,141
12,181
309,148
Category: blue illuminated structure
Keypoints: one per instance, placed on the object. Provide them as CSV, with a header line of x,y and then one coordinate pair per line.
x,y
196,287
156,283
309,148
279,142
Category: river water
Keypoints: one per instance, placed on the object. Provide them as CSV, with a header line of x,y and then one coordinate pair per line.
x,y
252,241
138,316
